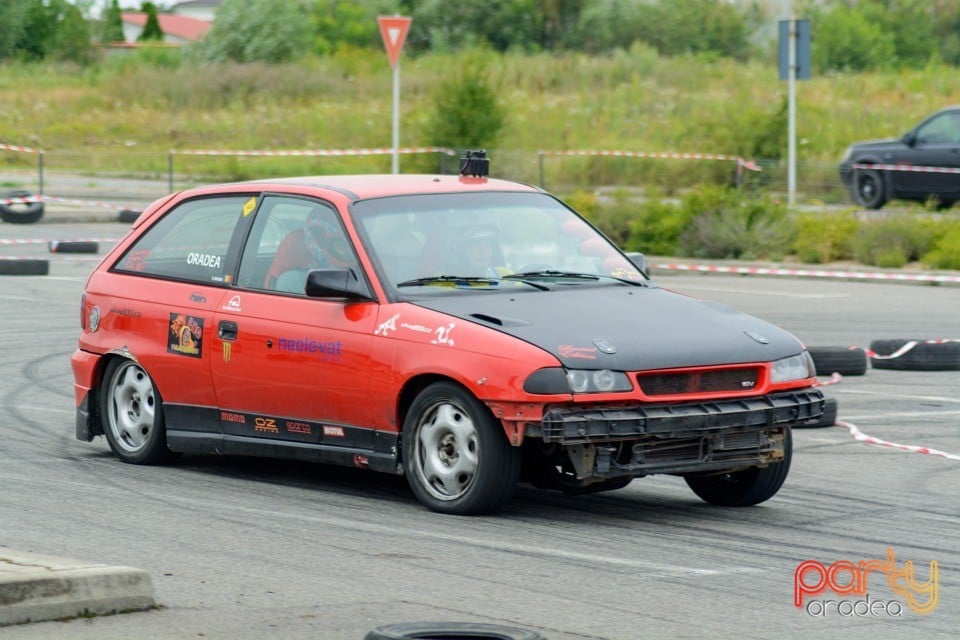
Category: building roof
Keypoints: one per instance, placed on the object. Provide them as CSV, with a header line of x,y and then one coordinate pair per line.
x,y
182,27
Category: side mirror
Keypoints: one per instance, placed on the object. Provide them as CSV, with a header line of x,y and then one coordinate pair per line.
x,y
909,138
335,283
639,261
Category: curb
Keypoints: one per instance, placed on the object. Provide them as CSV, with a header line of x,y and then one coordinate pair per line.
x,y
36,587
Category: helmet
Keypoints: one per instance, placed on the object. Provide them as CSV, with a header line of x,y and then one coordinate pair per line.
x,y
329,237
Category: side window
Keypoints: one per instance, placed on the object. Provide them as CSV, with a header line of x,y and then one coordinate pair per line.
x,y
289,237
943,129
190,242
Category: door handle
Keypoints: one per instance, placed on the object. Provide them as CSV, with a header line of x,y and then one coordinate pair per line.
x,y
227,330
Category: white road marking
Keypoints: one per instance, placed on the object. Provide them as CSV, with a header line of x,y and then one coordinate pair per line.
x,y
782,294
887,394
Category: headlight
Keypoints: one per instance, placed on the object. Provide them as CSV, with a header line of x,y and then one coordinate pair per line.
x,y
557,380
798,367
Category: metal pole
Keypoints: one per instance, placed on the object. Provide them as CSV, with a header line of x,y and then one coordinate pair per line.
x,y
170,171
395,164
40,168
792,99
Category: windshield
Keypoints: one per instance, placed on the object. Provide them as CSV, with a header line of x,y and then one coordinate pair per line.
x,y
438,243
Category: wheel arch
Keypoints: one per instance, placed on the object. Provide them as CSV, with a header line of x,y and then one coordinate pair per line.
x,y
96,424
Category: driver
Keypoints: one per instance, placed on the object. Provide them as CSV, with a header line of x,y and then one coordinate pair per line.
x,y
321,243
478,251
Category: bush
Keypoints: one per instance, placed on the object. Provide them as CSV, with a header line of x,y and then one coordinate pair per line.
x,y
730,224
656,225
946,250
467,113
825,237
894,241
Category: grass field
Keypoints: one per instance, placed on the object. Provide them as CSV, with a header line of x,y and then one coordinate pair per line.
x,y
126,114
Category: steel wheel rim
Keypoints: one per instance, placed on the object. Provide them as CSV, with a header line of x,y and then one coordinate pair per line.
x,y
131,413
446,456
868,188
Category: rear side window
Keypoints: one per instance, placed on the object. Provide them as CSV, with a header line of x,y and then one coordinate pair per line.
x,y
191,242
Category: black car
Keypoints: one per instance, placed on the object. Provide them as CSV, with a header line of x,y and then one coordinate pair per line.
x,y
932,144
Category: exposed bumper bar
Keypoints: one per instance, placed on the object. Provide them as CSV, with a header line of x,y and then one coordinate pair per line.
x,y
582,426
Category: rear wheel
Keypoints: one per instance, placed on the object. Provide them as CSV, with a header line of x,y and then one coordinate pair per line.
x,y
745,487
869,188
456,456
132,414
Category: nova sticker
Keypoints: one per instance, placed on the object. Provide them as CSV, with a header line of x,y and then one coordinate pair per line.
x,y
581,353
204,260
185,335
419,328
386,327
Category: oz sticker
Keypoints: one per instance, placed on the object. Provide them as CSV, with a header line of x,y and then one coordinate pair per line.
x,y
185,335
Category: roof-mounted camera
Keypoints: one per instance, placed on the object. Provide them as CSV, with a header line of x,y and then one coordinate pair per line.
x,y
475,164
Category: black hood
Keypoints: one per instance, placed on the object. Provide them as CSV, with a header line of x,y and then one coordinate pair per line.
x,y
644,328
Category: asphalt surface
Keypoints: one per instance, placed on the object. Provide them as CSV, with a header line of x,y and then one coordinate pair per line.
x,y
246,548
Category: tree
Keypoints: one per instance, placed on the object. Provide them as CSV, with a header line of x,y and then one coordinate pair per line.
x,y
467,113
347,22
12,16
151,30
112,24
71,39
257,31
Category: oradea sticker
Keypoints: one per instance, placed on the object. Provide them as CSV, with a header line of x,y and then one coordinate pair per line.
x,y
185,335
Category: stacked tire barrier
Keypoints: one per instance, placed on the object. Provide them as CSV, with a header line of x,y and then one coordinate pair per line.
x,y
20,207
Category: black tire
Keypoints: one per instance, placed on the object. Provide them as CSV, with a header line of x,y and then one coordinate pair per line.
x,y
131,414
456,457
128,215
842,360
924,356
746,487
827,419
57,246
24,267
16,215
451,631
869,188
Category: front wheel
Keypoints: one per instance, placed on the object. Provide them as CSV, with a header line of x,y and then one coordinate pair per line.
x,y
132,414
456,456
746,487
869,188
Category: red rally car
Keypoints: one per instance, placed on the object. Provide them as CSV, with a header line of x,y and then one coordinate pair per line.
x,y
467,332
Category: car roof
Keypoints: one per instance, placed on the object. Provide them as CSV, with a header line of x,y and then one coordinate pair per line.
x,y
359,187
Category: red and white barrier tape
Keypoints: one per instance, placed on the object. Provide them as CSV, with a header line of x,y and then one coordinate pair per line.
x,y
13,147
23,241
862,437
834,379
746,164
314,152
906,167
809,273
905,348
83,203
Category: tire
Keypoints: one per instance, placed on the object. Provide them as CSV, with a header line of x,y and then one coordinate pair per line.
x,y
746,487
842,360
131,414
924,356
79,246
455,455
32,213
827,419
24,267
869,188
451,631
128,215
